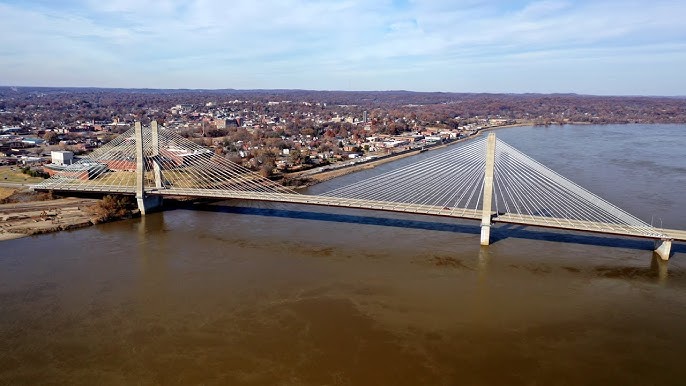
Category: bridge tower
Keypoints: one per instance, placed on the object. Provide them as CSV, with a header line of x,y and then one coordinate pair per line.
x,y
488,190
157,169
145,202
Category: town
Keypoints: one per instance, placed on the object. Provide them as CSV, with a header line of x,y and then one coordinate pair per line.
x,y
289,135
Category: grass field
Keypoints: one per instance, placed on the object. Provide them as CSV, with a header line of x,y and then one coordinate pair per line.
x,y
13,174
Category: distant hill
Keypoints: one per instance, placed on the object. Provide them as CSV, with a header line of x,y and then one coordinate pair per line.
x,y
93,103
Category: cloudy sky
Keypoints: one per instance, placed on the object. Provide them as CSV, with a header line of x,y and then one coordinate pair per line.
x,y
602,47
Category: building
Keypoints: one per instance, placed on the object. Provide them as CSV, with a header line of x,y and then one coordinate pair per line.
x,y
32,141
62,157
175,156
84,171
220,123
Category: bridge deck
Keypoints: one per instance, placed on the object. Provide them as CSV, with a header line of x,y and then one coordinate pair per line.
x,y
472,214
675,234
539,221
328,201
587,226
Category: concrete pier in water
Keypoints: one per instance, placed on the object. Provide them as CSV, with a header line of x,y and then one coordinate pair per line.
x,y
663,248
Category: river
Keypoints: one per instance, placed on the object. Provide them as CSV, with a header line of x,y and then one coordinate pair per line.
x,y
277,294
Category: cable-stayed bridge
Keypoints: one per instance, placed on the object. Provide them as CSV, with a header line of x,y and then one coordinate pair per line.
x,y
486,180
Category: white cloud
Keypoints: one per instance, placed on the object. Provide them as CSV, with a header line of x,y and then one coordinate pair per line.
x,y
224,43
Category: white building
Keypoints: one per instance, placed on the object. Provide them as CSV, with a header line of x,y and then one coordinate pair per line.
x,y
62,157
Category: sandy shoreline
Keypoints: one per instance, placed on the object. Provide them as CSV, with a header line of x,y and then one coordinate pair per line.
x,y
11,236
36,217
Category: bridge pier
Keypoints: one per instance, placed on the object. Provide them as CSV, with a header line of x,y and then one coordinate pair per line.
x,y
488,190
485,234
148,204
663,248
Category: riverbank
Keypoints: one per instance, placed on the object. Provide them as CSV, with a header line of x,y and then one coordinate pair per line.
x,y
37,217
27,213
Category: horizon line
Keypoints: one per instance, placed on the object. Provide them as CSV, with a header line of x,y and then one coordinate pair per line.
x,y
346,91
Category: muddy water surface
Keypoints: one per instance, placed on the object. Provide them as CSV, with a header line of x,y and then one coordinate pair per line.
x,y
263,294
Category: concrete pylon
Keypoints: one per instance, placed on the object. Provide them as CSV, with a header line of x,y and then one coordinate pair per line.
x,y
488,190
157,170
140,162
145,203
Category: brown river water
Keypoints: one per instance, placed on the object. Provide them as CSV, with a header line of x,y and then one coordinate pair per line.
x,y
273,294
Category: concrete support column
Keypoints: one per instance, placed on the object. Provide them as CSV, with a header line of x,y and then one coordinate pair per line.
x,y
157,170
140,162
663,248
145,203
488,190
485,234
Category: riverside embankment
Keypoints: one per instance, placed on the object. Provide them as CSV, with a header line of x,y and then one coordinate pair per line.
x,y
36,217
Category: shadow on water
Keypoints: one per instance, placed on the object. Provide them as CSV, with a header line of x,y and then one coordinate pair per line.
x,y
342,218
499,231
505,231
655,271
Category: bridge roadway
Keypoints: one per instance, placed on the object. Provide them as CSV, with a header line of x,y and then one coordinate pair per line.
x,y
472,214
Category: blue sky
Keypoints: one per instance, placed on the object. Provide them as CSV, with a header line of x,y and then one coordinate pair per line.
x,y
617,47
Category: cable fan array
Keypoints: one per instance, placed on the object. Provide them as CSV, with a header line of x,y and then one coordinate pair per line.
x,y
527,191
524,191
173,164
452,180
